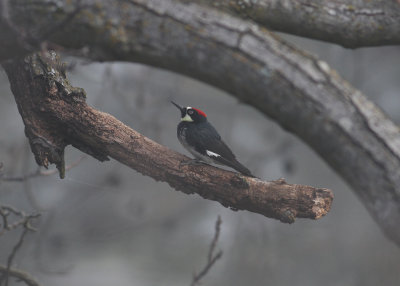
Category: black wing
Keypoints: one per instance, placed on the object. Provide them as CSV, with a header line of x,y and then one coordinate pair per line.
x,y
206,139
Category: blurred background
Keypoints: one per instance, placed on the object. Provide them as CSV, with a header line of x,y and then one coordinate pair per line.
x,y
106,224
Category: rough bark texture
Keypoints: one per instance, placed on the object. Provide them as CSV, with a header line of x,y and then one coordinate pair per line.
x,y
296,89
350,23
56,114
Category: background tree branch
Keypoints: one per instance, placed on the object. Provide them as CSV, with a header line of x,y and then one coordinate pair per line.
x,y
19,275
13,218
212,257
351,23
299,91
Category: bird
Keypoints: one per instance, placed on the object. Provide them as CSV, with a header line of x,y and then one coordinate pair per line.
x,y
202,140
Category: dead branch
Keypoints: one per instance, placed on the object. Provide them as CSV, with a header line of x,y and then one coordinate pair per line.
x,y
14,251
20,275
215,239
13,218
25,221
55,114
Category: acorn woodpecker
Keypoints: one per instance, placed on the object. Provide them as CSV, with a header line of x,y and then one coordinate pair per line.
x,y
201,139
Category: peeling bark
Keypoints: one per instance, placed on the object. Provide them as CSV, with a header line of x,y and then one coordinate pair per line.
x,y
56,114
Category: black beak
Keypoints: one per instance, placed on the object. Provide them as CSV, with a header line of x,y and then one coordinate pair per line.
x,y
182,109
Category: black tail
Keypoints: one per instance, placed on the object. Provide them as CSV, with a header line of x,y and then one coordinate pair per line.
x,y
242,169
239,167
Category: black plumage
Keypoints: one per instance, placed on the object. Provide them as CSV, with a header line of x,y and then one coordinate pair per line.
x,y
201,139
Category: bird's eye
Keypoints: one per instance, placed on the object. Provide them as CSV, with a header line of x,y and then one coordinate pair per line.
x,y
190,112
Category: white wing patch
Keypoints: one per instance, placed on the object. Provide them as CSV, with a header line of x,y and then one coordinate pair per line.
x,y
212,154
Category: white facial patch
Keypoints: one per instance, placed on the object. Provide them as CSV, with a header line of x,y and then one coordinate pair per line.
x,y
187,117
212,154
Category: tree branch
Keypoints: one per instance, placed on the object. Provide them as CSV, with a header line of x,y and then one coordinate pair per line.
x,y
351,23
211,258
303,94
56,114
20,275
25,220
37,173
14,251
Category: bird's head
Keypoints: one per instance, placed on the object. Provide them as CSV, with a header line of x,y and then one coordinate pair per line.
x,y
191,114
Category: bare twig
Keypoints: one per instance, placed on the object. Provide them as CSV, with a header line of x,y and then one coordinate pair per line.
x,y
20,275
211,259
215,239
14,251
25,220
38,172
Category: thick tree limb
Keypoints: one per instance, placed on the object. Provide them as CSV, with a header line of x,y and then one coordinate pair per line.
x,y
300,92
350,23
56,114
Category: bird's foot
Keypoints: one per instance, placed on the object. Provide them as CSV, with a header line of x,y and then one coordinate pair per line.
x,y
193,162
